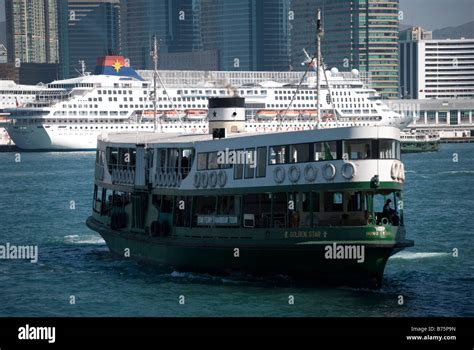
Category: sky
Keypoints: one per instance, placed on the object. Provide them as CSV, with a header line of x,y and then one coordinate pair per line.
x,y
437,14
430,14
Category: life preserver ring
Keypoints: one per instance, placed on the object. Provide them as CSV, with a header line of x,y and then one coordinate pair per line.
x,y
384,221
329,172
222,178
197,180
294,174
213,179
349,171
204,180
395,170
401,174
310,173
279,175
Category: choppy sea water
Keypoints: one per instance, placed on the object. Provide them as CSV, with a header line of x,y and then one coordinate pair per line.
x,y
35,201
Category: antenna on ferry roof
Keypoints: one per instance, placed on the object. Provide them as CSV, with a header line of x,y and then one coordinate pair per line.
x,y
319,35
154,56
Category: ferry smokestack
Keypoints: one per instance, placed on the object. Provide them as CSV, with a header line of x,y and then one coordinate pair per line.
x,y
226,116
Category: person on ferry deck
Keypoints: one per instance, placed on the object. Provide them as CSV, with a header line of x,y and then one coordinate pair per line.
x,y
389,213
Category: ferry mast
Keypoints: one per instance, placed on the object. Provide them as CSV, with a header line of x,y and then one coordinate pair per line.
x,y
319,35
154,55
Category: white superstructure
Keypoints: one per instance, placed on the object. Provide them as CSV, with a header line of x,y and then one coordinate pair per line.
x,y
116,100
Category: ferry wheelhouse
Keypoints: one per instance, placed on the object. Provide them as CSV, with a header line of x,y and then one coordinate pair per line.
x,y
273,203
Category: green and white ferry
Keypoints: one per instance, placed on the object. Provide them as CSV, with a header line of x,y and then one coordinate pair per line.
x,y
308,204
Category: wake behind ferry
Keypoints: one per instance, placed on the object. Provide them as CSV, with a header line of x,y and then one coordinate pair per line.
x,y
323,205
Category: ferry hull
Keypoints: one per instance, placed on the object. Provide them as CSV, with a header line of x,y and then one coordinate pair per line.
x,y
302,261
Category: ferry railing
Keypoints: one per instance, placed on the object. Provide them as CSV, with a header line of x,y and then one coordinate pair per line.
x,y
123,176
170,176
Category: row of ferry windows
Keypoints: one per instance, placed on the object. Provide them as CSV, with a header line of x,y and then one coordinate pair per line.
x,y
252,162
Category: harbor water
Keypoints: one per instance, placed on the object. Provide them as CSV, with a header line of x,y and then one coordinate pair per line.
x,y
45,199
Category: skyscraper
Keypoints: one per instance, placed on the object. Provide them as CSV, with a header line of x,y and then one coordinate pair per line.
x,y
94,31
174,22
32,31
249,35
360,34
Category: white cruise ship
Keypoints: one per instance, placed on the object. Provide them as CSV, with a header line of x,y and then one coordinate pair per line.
x,y
72,113
13,95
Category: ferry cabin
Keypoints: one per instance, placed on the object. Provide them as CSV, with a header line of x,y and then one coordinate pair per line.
x,y
304,189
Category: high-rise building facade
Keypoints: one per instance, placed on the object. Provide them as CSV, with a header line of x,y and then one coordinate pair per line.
x,y
249,35
246,34
175,23
437,69
32,31
94,31
359,34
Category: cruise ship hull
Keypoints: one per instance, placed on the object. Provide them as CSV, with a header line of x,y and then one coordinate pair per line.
x,y
303,260
57,138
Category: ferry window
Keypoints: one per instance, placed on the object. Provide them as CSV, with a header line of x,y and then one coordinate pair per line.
x,y
324,151
202,161
250,163
389,149
280,207
316,207
333,202
229,205
112,157
357,149
356,202
278,155
212,161
300,153
205,206
262,162
257,210
239,168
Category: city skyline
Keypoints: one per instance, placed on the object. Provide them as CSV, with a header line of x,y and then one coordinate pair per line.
x,y
415,12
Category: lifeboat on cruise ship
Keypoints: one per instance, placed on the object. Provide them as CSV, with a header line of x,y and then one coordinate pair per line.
x,y
196,114
267,114
173,115
310,113
151,113
291,114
